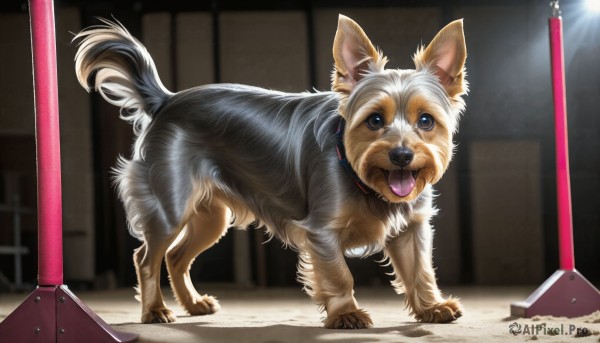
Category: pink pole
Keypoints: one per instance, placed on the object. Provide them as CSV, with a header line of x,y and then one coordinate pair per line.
x,y
51,313
566,293
565,222
50,263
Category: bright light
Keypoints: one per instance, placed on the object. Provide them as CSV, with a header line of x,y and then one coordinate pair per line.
x,y
593,5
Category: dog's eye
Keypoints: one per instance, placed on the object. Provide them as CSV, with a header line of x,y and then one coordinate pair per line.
x,y
426,122
375,121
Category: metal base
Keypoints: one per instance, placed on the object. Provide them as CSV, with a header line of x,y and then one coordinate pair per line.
x,y
54,314
565,294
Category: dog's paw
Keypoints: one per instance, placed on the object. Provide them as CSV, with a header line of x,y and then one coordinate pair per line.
x,y
444,312
357,319
202,305
158,315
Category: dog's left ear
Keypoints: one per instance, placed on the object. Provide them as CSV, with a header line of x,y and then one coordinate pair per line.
x,y
354,56
446,56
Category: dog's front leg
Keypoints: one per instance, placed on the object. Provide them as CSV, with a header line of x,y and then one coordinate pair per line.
x,y
411,256
328,281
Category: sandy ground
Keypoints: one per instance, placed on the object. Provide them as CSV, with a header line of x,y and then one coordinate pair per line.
x,y
288,315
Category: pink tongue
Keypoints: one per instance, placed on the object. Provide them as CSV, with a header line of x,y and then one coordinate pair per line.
x,y
401,182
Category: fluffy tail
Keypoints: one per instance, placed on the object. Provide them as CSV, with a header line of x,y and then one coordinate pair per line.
x,y
120,68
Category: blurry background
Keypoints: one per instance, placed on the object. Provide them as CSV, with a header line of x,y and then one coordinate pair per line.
x,y
497,224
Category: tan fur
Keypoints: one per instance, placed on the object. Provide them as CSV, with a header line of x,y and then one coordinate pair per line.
x,y
147,265
410,255
203,230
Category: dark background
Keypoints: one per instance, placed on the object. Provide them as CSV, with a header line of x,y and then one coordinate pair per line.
x,y
497,222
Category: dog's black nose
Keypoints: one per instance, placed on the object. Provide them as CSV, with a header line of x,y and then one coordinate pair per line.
x,y
401,156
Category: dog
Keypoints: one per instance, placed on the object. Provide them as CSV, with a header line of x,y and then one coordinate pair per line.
x,y
327,173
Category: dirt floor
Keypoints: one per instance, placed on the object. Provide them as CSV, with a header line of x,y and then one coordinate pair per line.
x,y
288,315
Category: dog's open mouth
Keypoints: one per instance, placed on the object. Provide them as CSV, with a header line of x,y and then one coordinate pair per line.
x,y
401,181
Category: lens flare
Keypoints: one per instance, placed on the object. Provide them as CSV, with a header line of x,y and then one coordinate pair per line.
x,y
593,5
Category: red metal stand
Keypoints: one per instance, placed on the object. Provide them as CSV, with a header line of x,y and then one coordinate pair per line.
x,y
51,313
54,314
566,293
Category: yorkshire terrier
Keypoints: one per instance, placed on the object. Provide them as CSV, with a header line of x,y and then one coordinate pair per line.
x,y
327,173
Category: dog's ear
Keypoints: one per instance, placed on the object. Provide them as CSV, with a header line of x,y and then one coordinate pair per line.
x,y
354,56
446,56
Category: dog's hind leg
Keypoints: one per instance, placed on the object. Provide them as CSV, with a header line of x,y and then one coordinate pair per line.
x,y
147,260
156,219
203,230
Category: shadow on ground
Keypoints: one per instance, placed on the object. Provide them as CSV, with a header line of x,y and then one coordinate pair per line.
x,y
196,332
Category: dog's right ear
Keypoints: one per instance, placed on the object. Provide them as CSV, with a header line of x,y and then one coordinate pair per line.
x,y
354,56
